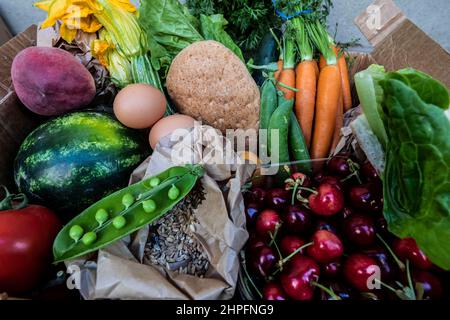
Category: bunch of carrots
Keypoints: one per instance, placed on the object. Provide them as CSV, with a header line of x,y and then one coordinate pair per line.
x,y
322,94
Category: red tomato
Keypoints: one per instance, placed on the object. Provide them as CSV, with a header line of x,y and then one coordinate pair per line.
x,y
26,240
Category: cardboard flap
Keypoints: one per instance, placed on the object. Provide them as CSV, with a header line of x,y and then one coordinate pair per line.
x,y
379,20
399,43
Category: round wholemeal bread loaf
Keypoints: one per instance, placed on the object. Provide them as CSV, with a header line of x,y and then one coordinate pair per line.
x,y
208,82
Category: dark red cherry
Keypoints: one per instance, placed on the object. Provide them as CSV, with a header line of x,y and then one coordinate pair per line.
x,y
326,247
297,219
297,277
263,260
328,201
332,269
289,244
407,249
267,222
277,199
273,291
360,229
359,270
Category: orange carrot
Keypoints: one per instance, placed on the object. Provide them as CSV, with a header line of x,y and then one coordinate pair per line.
x,y
316,69
339,123
280,68
322,62
328,91
287,77
345,83
305,98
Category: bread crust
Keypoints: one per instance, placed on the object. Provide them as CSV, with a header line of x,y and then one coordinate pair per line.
x,y
208,82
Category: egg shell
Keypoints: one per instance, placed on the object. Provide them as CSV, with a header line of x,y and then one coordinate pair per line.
x,y
139,106
167,125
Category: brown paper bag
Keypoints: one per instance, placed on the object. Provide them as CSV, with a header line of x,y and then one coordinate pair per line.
x,y
118,271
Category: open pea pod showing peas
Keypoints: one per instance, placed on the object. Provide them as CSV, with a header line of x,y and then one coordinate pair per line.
x,y
124,212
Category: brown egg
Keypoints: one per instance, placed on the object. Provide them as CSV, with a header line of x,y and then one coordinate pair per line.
x,y
167,125
139,105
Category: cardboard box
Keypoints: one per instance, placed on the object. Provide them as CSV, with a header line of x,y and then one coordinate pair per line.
x,y
398,43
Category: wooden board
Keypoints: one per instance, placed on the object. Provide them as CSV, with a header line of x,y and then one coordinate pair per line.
x,y
16,121
5,34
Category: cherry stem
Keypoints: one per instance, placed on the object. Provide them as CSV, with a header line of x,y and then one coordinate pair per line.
x,y
308,189
329,291
354,167
408,275
289,257
294,193
410,284
251,280
274,236
400,264
351,175
273,242
386,286
282,262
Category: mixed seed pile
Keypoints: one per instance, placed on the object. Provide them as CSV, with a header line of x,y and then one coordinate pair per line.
x,y
172,243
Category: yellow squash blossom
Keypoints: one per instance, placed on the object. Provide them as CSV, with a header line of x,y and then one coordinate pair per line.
x,y
119,67
85,15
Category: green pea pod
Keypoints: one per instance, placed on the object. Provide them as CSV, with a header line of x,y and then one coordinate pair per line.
x,y
136,214
269,103
299,150
280,121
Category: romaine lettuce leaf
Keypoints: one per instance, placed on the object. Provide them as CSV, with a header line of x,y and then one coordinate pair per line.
x,y
416,181
405,110
429,89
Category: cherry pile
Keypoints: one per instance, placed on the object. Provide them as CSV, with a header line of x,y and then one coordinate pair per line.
x,y
325,237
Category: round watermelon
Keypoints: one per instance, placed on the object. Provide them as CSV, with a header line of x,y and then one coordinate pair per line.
x,y
75,160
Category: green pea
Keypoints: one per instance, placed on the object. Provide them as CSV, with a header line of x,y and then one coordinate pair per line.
x,y
173,193
76,232
127,200
89,238
119,222
101,216
154,182
149,205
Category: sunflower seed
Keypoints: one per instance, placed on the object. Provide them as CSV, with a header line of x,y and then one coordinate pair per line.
x,y
172,239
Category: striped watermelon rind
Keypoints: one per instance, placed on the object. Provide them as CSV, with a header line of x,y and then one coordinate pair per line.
x,y
72,161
